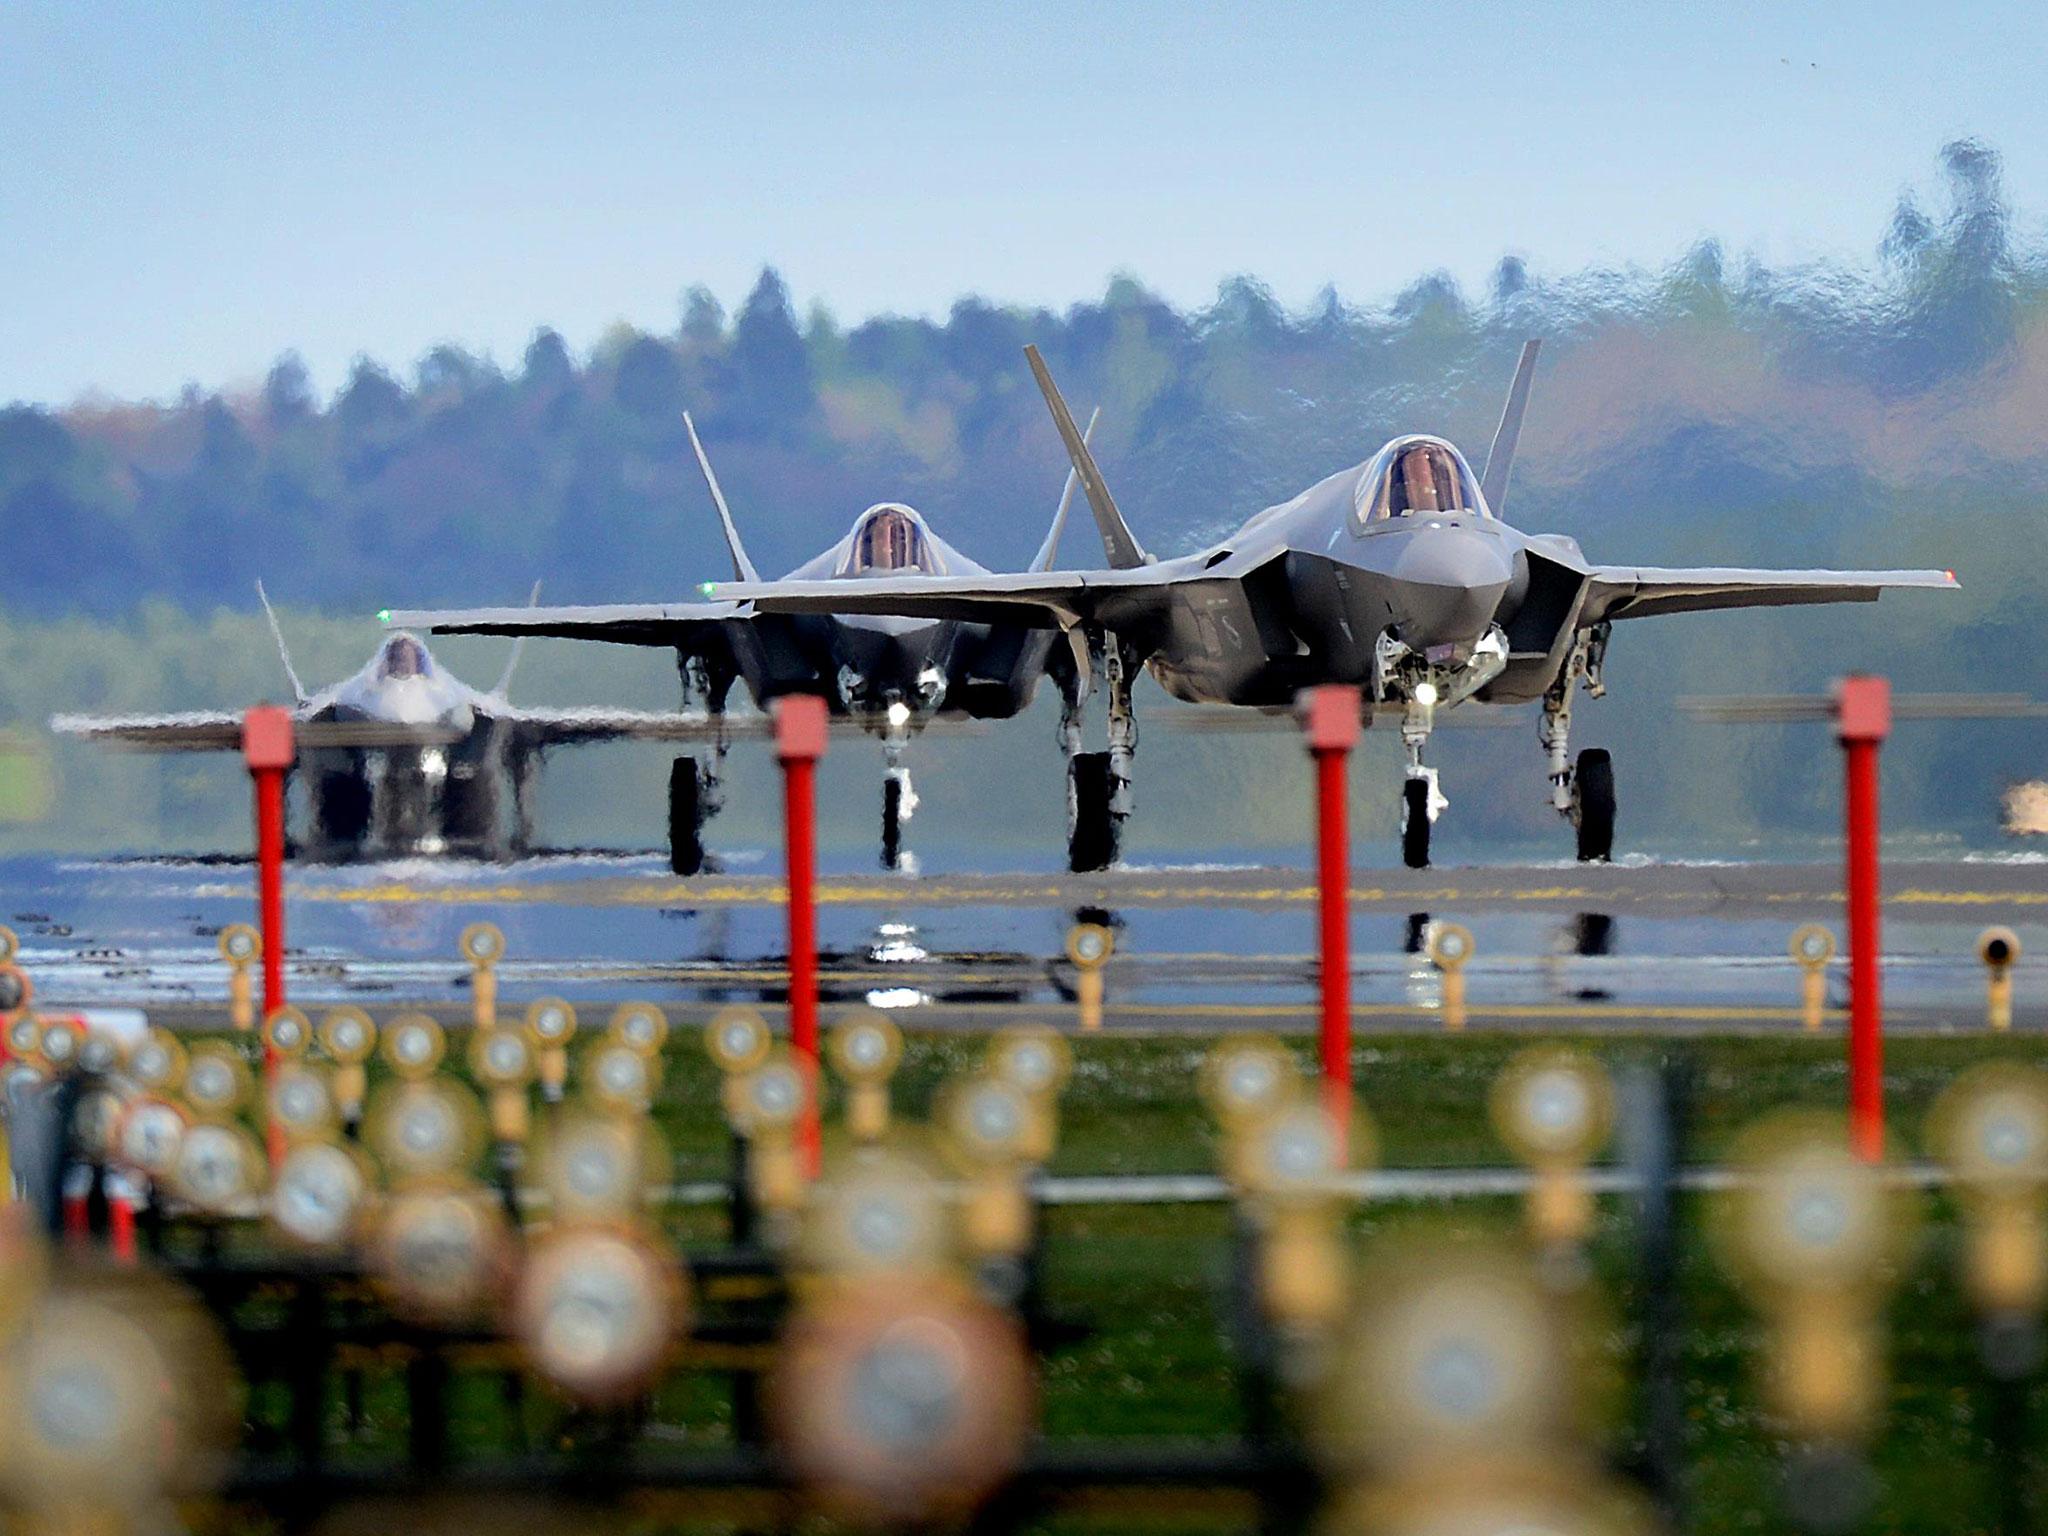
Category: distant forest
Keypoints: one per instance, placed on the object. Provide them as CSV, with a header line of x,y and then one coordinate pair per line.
x,y
1717,411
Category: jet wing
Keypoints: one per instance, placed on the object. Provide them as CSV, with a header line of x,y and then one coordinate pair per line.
x,y
1632,592
561,727
206,731
662,624
1030,600
195,731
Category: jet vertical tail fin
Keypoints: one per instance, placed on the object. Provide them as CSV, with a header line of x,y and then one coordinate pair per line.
x,y
1122,547
503,690
742,567
1500,458
1050,549
283,654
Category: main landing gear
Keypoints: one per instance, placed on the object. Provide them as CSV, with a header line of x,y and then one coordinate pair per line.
x,y
1099,794
695,783
1583,793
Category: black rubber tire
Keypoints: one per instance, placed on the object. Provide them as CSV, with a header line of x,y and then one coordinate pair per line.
x,y
1091,829
1415,823
685,818
1593,788
892,822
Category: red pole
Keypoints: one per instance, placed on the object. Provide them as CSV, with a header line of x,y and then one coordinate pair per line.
x,y
1863,709
267,748
799,743
1330,720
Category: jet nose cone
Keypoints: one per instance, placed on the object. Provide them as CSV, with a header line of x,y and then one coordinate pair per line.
x,y
1448,585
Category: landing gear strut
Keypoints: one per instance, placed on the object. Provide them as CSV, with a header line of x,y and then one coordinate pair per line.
x,y
1582,794
1099,794
899,800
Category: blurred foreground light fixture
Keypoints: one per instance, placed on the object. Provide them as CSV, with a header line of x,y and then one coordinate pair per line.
x,y
424,1130
596,1310
1037,1061
320,1195
599,1168
241,946
219,1168
1455,1358
483,946
116,1395
640,1026
349,1037
1990,1130
899,1403
413,1045
1247,1077
217,1083
439,1250
737,1039
1554,1109
1812,1233
552,1023
884,1214
864,1049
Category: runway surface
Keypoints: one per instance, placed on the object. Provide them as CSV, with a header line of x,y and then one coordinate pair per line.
x,y
1674,947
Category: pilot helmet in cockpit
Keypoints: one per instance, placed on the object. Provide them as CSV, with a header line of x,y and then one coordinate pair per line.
x,y
1420,474
889,540
405,657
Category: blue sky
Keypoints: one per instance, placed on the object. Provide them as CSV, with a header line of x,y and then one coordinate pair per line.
x,y
186,190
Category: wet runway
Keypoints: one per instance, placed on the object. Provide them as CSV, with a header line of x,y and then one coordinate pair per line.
x,y
1674,947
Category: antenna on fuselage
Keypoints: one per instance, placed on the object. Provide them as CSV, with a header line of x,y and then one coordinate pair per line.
x,y
742,567
1500,458
518,647
277,634
1049,551
1124,551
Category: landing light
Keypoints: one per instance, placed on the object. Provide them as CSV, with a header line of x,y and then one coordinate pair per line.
x,y
1425,694
899,715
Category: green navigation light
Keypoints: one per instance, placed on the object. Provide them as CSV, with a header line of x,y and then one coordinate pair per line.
x,y
383,615
707,587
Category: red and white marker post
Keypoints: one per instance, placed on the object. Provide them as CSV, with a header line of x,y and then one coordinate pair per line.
x,y
1330,722
799,743
1863,718
268,750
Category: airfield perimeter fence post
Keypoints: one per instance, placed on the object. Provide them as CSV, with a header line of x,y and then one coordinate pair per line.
x,y
1330,721
268,750
1863,717
799,743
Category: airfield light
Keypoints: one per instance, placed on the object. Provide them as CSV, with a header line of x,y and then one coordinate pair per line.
x,y
320,1190
596,1311
1998,948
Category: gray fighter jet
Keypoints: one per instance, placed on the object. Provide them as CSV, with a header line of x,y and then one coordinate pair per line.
x,y
890,675
403,758
1396,575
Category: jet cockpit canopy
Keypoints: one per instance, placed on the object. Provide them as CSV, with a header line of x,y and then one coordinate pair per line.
x,y
890,537
1417,474
403,656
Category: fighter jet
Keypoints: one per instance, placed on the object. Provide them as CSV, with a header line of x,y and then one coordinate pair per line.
x,y
403,758
888,675
1396,575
